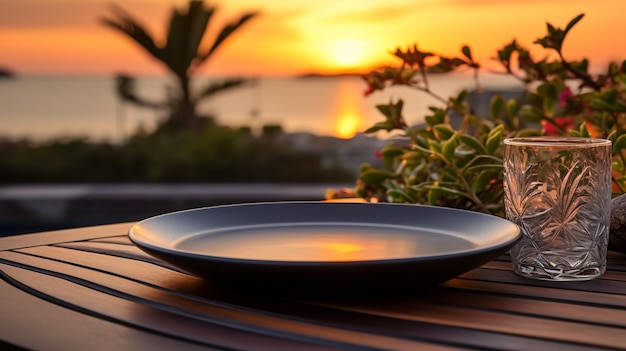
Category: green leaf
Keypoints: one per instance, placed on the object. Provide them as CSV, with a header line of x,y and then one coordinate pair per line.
x,y
438,116
385,109
431,120
378,126
493,142
527,132
548,90
473,143
583,66
448,148
434,109
412,155
573,22
493,200
497,167
364,167
434,146
421,141
489,159
375,176
483,179
548,106
600,105
609,95
443,131
531,114
612,136
447,191
574,133
433,197
450,176
391,151
511,108
619,144
389,155
583,131
401,194
461,97
497,103
496,130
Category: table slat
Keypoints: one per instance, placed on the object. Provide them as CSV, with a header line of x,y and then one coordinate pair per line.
x,y
97,275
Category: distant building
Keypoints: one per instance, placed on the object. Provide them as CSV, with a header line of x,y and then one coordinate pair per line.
x,y
350,153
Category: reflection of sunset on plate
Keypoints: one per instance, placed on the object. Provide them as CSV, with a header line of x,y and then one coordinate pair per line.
x,y
344,247
321,243
355,250
307,244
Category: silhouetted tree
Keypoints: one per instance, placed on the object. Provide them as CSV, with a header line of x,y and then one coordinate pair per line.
x,y
182,54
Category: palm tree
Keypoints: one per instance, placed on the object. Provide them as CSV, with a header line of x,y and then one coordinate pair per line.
x,y
182,55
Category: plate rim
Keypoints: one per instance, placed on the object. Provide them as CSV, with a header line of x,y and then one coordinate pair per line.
x,y
142,244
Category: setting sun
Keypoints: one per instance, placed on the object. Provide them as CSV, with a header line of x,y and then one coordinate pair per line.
x,y
295,37
347,53
47,39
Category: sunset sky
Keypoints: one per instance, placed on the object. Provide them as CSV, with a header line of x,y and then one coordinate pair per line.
x,y
300,36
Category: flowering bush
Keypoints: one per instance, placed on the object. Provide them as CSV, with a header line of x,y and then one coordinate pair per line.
x,y
438,164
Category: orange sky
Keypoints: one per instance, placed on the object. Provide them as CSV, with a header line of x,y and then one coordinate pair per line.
x,y
298,36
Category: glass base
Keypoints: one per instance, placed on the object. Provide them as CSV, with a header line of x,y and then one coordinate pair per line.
x,y
558,274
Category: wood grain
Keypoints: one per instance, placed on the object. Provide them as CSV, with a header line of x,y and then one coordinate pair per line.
x,y
92,286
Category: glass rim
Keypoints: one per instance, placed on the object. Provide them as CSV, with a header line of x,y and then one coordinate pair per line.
x,y
550,141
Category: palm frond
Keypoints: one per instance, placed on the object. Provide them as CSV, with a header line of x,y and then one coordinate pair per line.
x,y
125,87
180,53
126,24
225,33
198,26
220,86
186,30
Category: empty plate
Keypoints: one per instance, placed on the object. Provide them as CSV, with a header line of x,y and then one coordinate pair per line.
x,y
325,248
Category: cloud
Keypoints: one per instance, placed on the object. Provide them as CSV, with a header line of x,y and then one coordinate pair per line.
x,y
35,14
371,12
497,3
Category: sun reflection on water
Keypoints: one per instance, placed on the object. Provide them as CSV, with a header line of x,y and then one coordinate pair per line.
x,y
348,112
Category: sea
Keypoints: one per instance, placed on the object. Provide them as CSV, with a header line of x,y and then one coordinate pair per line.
x,y
44,107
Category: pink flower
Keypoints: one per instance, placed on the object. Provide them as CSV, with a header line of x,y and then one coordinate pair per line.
x,y
565,95
378,154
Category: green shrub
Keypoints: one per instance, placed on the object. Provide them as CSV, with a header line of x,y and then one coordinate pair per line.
x,y
438,164
217,154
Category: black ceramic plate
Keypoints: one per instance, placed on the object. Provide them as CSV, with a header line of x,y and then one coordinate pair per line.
x,y
325,248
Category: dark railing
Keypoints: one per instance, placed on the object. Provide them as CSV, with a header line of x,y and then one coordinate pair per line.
x,y
31,208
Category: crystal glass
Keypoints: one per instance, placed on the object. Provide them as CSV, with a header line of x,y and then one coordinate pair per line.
x,y
558,190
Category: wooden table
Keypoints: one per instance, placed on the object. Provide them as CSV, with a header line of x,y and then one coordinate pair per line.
x,y
91,289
